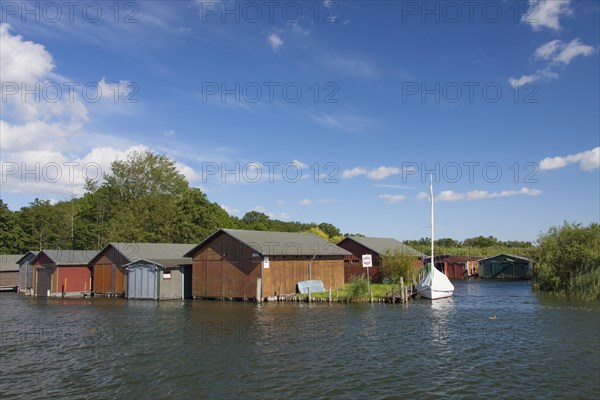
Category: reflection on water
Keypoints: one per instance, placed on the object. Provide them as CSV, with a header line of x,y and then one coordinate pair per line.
x,y
535,347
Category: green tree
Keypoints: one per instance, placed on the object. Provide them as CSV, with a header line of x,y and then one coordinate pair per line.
x,y
11,236
396,264
329,229
39,224
567,260
143,194
481,241
198,217
256,220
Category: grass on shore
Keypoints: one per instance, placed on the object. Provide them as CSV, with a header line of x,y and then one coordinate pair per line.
x,y
380,291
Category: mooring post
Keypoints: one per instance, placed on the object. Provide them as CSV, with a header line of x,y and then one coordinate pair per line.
x,y
402,288
309,294
259,297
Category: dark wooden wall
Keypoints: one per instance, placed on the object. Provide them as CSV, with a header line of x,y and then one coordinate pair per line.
x,y
225,268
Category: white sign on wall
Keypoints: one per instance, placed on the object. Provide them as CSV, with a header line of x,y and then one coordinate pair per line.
x,y
367,261
266,262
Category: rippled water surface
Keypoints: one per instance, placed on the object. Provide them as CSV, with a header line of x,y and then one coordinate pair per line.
x,y
536,347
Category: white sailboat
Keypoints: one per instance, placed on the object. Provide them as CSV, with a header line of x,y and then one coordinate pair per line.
x,y
435,284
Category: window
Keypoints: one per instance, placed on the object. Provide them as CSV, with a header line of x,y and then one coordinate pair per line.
x,y
167,274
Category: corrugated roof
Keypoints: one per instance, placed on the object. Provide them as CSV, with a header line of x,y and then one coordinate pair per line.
x,y
165,254
268,243
8,262
381,245
68,257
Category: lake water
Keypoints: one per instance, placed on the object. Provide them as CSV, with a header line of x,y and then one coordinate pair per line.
x,y
537,347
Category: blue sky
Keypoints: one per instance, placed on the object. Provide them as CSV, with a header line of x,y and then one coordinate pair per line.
x,y
316,110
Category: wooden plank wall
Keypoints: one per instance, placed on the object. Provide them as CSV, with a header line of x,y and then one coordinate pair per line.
x,y
109,276
285,272
225,268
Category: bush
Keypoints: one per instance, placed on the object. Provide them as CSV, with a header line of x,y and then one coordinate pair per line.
x,y
396,264
358,289
567,261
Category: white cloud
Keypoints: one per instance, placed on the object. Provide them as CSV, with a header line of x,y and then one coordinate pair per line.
x,y
169,133
190,174
230,210
22,61
275,41
46,149
356,67
387,186
392,198
588,160
299,164
51,172
284,216
422,196
354,172
548,50
449,195
280,202
558,55
557,51
116,92
573,49
344,122
546,13
375,173
383,172
539,75
263,210
305,202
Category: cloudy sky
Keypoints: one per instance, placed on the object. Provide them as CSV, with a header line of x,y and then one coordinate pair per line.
x,y
332,111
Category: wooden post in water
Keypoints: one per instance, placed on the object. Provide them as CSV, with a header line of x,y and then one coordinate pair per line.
x,y
309,299
259,290
330,294
371,296
402,289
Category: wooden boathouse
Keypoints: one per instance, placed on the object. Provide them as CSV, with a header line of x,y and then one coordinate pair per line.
x,y
243,264
504,266
26,273
457,267
376,246
9,272
62,273
109,265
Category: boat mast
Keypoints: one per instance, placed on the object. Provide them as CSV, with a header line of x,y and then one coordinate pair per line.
x,y
432,223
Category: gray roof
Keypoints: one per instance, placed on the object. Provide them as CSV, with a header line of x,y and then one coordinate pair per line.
x,y
68,257
268,243
381,245
506,255
8,262
165,254
30,255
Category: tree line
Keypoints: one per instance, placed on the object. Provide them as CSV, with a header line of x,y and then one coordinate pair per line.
x,y
142,199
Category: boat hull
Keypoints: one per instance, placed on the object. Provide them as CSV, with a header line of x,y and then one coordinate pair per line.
x,y
428,293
